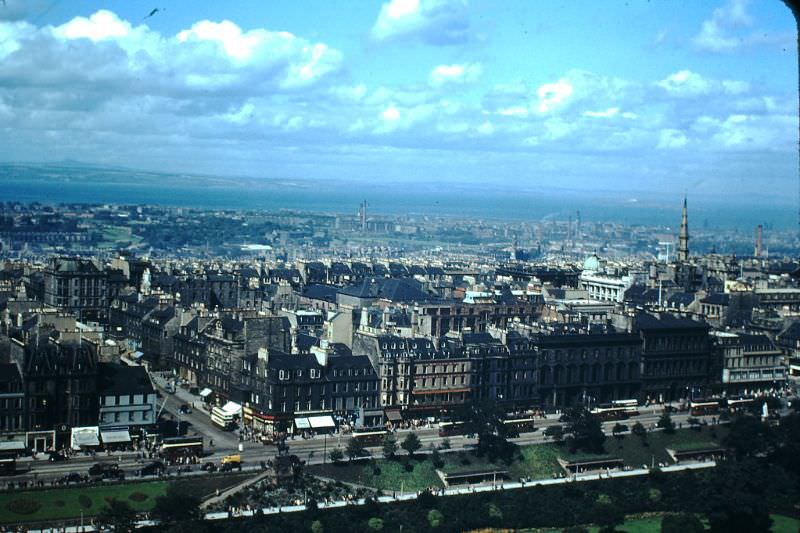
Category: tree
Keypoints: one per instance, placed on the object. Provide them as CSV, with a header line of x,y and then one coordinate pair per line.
x,y
336,455
486,420
681,523
666,423
586,431
740,514
607,516
435,518
639,430
375,524
619,429
389,446
411,444
317,527
575,529
117,515
436,459
749,436
176,506
354,449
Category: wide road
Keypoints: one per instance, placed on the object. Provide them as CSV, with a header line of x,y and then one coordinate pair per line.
x,y
313,451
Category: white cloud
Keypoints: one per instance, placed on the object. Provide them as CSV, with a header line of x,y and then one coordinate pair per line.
x,y
517,111
354,93
465,73
685,83
432,21
487,128
98,27
391,114
551,95
671,139
608,113
724,31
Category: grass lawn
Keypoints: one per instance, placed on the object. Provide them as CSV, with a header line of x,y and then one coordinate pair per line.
x,y
55,504
539,461
784,524
30,506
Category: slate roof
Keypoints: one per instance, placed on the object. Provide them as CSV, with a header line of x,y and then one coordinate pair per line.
x,y
645,322
116,379
716,298
322,292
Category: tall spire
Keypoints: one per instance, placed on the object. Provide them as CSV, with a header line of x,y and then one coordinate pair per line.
x,y
683,238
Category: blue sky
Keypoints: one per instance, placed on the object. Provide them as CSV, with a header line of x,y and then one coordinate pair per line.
x,y
610,95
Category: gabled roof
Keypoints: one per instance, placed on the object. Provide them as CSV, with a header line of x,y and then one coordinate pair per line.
x,y
322,292
716,298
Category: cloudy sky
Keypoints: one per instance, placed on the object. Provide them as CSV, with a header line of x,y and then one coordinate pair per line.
x,y
613,95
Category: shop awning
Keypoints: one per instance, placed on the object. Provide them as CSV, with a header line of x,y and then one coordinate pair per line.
x,y
393,415
232,408
83,437
12,446
205,392
302,423
319,422
117,436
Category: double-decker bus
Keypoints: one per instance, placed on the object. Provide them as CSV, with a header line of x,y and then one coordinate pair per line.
x,y
703,407
370,436
610,412
631,406
449,429
740,403
521,425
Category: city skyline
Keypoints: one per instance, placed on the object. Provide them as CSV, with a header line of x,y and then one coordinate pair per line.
x,y
701,97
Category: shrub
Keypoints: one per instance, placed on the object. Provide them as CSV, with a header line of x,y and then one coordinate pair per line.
x,y
435,518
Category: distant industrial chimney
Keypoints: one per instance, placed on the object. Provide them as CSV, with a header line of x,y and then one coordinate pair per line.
x,y
362,214
683,237
759,236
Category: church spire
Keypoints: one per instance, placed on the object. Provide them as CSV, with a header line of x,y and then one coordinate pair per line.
x,y
683,238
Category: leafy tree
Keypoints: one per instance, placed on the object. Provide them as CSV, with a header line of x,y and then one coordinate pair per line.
x,y
586,431
666,423
681,523
411,444
740,514
694,423
486,421
494,512
336,455
117,515
445,444
389,446
607,516
375,524
749,436
436,459
354,449
317,527
639,430
435,518
176,506
619,429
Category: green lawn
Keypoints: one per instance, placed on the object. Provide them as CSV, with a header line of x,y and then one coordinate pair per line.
x,y
539,461
30,506
55,504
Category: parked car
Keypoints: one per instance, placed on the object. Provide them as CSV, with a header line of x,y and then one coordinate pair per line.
x,y
56,457
154,468
72,477
185,409
209,467
100,471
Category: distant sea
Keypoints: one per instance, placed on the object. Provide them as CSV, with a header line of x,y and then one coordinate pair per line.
x,y
415,200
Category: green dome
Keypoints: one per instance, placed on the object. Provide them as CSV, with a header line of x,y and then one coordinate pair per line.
x,y
592,263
